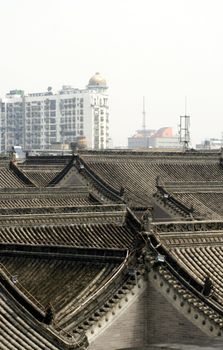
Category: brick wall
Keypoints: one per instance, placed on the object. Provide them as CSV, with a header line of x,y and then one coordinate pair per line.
x,y
151,319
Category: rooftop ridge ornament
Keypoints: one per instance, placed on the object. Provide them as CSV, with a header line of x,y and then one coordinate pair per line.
x,y
221,155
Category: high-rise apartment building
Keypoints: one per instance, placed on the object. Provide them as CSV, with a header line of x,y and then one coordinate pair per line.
x,y
38,120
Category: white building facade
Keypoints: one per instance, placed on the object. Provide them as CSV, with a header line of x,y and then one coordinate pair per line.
x,y
36,121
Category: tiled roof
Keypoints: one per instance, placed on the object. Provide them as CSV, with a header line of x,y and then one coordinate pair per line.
x,y
70,227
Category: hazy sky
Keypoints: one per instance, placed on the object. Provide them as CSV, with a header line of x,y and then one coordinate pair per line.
x,y
161,49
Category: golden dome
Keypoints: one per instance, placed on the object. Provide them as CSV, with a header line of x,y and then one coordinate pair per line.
x,y
97,80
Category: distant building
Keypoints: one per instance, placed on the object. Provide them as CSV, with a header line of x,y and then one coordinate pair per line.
x,y
141,139
212,143
38,120
12,120
162,138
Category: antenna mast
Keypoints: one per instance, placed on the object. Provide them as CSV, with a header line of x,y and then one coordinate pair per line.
x,y
184,132
144,116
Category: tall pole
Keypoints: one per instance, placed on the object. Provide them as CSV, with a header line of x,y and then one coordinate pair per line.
x,y
144,116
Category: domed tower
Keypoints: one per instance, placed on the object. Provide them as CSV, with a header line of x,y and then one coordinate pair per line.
x,y
97,133
97,82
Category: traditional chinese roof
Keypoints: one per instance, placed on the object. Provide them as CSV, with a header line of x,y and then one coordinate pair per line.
x,y
77,233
